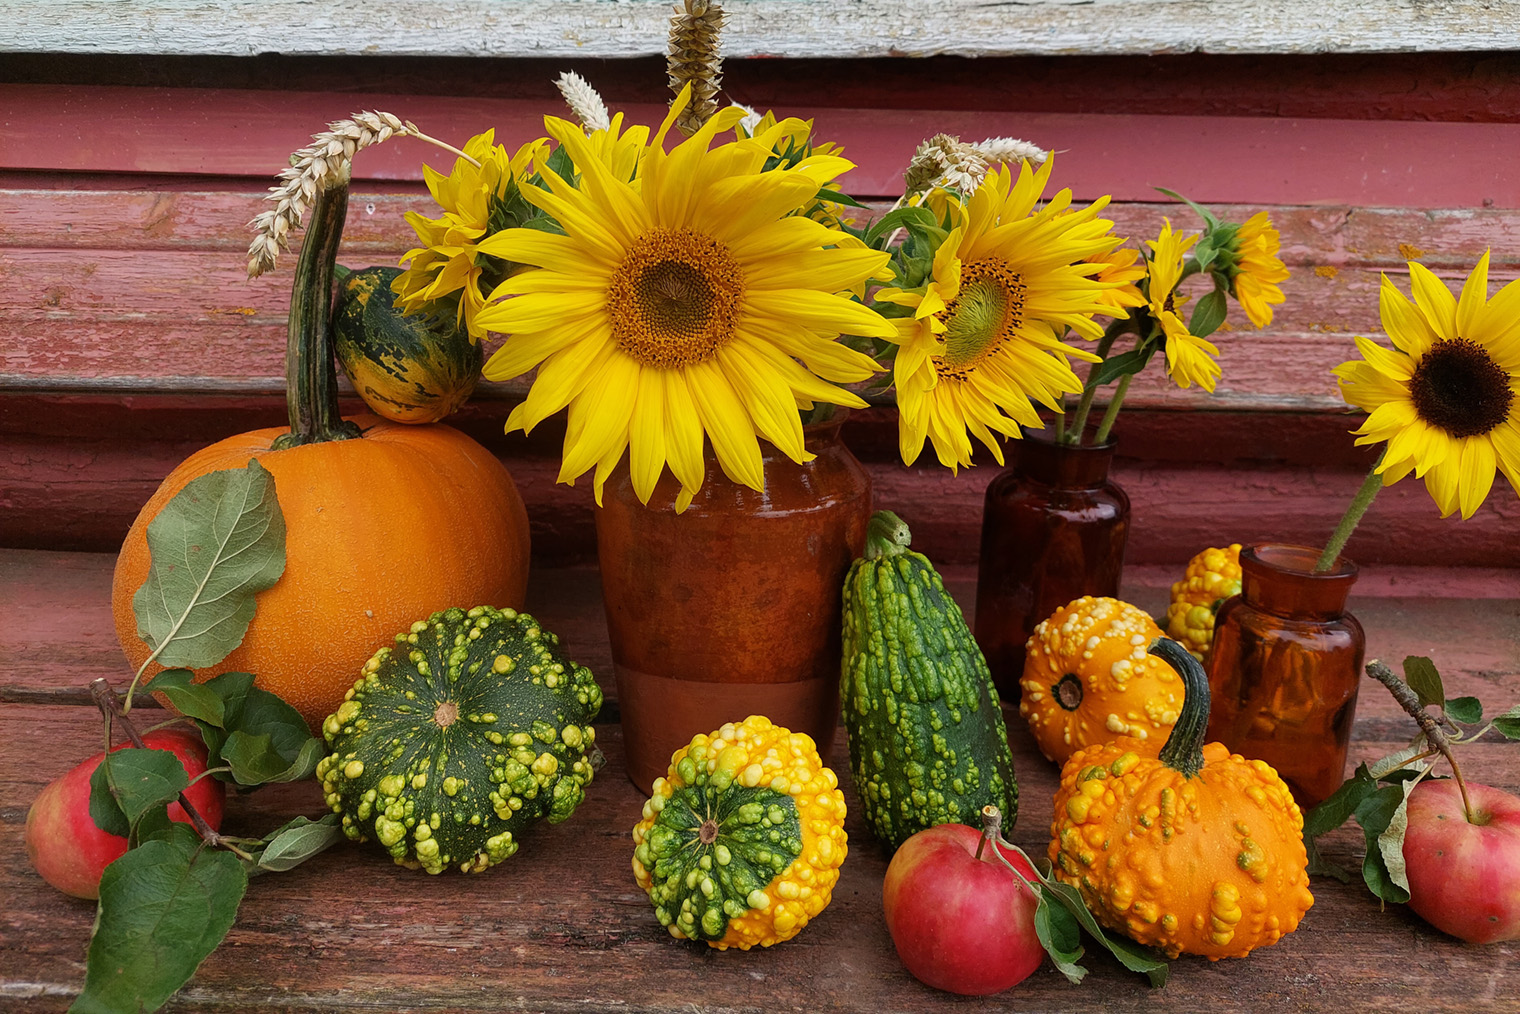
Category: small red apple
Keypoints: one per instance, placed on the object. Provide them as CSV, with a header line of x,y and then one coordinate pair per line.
x,y
64,844
1464,878
959,923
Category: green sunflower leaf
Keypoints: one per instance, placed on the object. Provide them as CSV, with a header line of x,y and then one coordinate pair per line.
x,y
1198,209
1208,314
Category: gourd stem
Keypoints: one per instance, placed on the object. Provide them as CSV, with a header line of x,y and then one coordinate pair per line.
x,y
1183,751
887,535
1410,702
105,700
1349,520
311,378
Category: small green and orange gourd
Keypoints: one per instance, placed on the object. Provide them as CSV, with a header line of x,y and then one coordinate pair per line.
x,y
1088,679
741,842
408,368
1193,850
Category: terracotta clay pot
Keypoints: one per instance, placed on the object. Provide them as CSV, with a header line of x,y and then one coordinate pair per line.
x,y
1054,528
1285,666
733,607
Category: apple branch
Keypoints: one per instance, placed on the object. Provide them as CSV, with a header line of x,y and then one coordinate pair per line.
x,y
1434,734
110,708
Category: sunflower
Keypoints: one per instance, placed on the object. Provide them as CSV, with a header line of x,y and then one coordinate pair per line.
x,y
1189,359
1122,269
472,196
689,304
1254,269
1445,396
983,340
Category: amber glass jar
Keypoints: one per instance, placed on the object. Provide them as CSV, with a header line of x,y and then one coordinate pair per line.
x,y
733,607
1054,528
1285,666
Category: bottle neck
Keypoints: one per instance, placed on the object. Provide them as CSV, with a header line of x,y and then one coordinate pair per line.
x,y
1280,579
1064,466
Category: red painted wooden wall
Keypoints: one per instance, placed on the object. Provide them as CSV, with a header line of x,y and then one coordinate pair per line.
x,y
129,335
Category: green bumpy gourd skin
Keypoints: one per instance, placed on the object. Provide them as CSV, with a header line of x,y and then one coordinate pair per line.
x,y
470,728
713,850
409,369
927,741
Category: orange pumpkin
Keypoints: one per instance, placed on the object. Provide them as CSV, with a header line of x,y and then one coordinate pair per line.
x,y
380,531
385,524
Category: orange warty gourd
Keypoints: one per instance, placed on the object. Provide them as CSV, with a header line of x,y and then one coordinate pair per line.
x,y
1087,678
384,522
402,522
1195,850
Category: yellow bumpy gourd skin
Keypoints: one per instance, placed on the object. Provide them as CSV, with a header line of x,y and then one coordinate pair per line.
x,y
1087,678
740,844
1212,865
1212,576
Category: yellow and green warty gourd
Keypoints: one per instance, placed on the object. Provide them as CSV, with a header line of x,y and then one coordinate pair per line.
x,y
471,727
1211,577
740,844
1195,851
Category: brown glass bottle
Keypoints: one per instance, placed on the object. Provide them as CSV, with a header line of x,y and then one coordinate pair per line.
x,y
733,607
1285,666
1054,528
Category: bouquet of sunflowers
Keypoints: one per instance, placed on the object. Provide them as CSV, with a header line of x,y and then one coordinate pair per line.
x,y
708,282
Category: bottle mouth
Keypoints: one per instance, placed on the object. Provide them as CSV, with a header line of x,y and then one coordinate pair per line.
x,y
1298,561
1280,578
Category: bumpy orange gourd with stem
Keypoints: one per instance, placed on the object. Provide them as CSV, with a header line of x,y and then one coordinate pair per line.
x,y
385,523
1087,678
1195,850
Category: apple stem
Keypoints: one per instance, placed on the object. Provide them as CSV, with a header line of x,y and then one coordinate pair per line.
x,y
110,708
1437,738
992,821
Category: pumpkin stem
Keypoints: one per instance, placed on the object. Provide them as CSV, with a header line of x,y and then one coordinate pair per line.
x,y
311,378
887,535
1183,751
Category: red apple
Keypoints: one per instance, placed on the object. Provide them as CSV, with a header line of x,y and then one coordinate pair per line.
x,y
67,848
1464,878
959,923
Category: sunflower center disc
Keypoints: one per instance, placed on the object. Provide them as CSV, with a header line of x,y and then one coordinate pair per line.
x,y
1459,388
987,312
674,298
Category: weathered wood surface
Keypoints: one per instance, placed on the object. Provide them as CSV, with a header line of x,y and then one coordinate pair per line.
x,y
1211,158
758,27
562,927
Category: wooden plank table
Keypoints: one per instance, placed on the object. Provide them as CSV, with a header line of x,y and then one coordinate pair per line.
x,y
563,927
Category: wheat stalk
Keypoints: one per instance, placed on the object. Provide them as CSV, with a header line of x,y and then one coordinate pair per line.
x,y
946,161
694,58
1010,151
583,101
325,162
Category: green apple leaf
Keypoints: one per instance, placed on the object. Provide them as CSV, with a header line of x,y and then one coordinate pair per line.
x,y
164,906
1341,805
1508,724
296,842
140,780
261,738
1061,936
193,700
1375,814
1420,673
1467,710
213,547
105,811
1391,842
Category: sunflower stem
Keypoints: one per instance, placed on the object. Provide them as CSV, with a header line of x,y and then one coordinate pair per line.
x,y
1354,512
1112,412
1090,389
